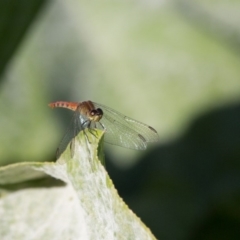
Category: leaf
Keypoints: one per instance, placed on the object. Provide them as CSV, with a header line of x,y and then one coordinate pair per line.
x,y
86,207
15,19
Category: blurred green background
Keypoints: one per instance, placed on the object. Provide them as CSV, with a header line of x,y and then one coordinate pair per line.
x,y
174,65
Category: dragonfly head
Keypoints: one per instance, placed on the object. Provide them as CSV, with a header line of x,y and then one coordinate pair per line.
x,y
96,114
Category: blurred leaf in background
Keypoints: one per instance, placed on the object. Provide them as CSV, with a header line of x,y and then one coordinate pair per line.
x,y
18,95
148,60
161,62
16,18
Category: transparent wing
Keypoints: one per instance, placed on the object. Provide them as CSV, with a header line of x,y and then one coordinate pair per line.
x,y
125,131
74,128
121,135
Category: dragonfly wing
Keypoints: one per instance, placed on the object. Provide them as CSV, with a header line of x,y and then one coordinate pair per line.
x,y
127,128
74,128
121,135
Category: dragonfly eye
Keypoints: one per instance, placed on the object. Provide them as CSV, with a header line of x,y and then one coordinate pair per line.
x,y
94,112
99,112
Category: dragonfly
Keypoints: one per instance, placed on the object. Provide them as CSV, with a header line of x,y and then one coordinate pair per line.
x,y
119,129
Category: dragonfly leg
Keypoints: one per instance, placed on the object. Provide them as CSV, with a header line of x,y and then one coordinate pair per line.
x,y
72,147
92,129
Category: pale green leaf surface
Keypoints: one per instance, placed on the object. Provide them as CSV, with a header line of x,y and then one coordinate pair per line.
x,y
87,207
